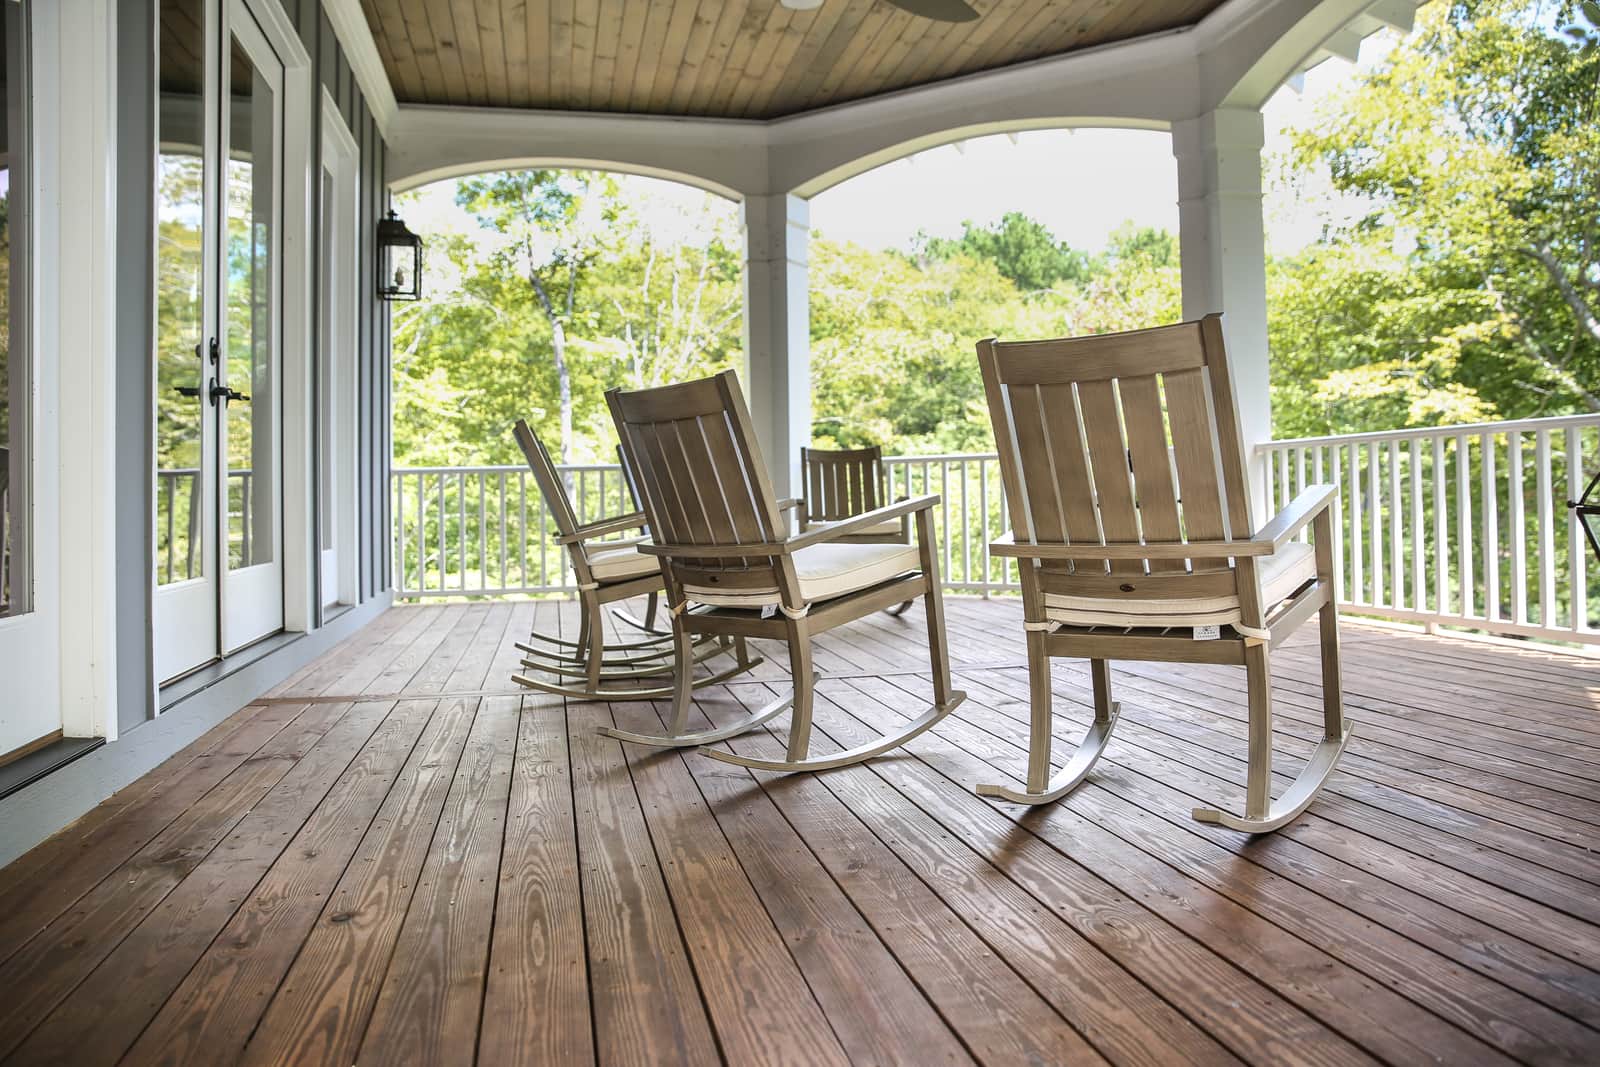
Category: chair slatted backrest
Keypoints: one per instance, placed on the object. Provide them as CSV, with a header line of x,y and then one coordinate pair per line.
x,y
1089,430
700,473
551,487
842,483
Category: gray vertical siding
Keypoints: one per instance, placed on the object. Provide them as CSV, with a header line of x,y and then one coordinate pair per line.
x,y
134,514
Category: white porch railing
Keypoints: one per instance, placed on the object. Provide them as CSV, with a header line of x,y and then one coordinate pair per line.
x,y
178,517
484,531
1461,525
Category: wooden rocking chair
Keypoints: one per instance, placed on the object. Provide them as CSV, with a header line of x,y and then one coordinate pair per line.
x,y
608,572
1118,562
733,572
843,483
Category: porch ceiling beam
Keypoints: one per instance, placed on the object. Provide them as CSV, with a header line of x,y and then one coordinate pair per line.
x,y
1346,44
361,50
1400,15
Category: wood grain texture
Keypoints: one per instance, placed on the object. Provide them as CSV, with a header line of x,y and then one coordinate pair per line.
x,y
741,59
481,879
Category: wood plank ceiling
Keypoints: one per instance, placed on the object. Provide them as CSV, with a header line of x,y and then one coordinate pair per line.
x,y
722,58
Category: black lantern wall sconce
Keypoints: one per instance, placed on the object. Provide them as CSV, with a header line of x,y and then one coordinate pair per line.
x,y
399,260
1587,508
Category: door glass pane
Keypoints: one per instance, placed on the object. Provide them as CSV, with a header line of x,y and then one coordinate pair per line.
x,y
181,361
14,437
249,277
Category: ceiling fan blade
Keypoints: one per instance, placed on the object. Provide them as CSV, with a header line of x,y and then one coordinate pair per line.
x,y
939,10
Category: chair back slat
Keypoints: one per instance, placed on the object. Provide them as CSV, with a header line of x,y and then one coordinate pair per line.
x,y
1150,458
1108,455
547,477
1089,430
842,483
700,471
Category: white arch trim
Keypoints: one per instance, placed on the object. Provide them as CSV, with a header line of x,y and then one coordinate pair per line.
x,y
462,170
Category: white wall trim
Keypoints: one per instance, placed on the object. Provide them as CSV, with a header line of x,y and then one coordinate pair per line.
x,y
299,326
361,51
78,203
341,155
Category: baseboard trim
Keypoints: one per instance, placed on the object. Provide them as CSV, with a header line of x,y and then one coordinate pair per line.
x,y
59,798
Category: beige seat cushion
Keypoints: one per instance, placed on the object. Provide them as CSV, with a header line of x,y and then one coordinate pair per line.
x,y
620,563
1281,574
887,528
825,571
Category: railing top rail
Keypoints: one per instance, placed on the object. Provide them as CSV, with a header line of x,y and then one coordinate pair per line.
x,y
507,468
943,457
1554,422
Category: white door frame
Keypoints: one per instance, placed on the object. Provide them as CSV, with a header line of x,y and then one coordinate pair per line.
x,y
298,322
59,660
341,160
252,595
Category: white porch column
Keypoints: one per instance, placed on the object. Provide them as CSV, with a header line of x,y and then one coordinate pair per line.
x,y
777,331
1223,255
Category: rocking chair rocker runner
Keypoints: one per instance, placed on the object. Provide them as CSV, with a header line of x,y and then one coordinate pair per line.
x,y
841,484
1117,563
732,572
608,572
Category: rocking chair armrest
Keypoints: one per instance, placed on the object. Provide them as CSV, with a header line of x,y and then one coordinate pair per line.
x,y
1008,546
1300,511
845,527
749,549
789,503
589,532
794,544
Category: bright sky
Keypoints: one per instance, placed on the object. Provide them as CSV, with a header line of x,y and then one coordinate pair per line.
x,y
1082,184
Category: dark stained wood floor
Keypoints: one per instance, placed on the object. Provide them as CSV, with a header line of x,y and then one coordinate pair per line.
x,y
397,857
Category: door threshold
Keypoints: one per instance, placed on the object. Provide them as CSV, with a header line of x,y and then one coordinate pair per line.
x,y
26,769
187,685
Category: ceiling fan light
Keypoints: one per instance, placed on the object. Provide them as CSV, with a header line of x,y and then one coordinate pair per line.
x,y
801,5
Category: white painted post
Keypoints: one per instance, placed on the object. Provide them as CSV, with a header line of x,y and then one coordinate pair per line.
x,y
1223,254
777,331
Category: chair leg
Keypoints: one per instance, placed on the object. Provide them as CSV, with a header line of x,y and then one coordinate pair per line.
x,y
803,677
1261,813
583,629
1258,773
1042,788
938,646
597,641
1332,680
650,611
899,609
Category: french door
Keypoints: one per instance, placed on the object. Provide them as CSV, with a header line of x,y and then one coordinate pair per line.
x,y
218,348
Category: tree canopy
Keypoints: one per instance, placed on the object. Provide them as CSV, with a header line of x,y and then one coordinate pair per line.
x,y
1470,289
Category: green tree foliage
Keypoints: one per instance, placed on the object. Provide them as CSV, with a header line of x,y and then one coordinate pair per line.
x,y
563,292
1021,249
1471,289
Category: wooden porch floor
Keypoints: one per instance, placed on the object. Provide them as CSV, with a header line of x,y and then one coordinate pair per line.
x,y
397,857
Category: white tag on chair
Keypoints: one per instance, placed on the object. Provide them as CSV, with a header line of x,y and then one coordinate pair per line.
x,y
768,610
1207,633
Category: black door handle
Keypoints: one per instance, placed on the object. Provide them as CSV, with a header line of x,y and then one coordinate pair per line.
x,y
225,394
